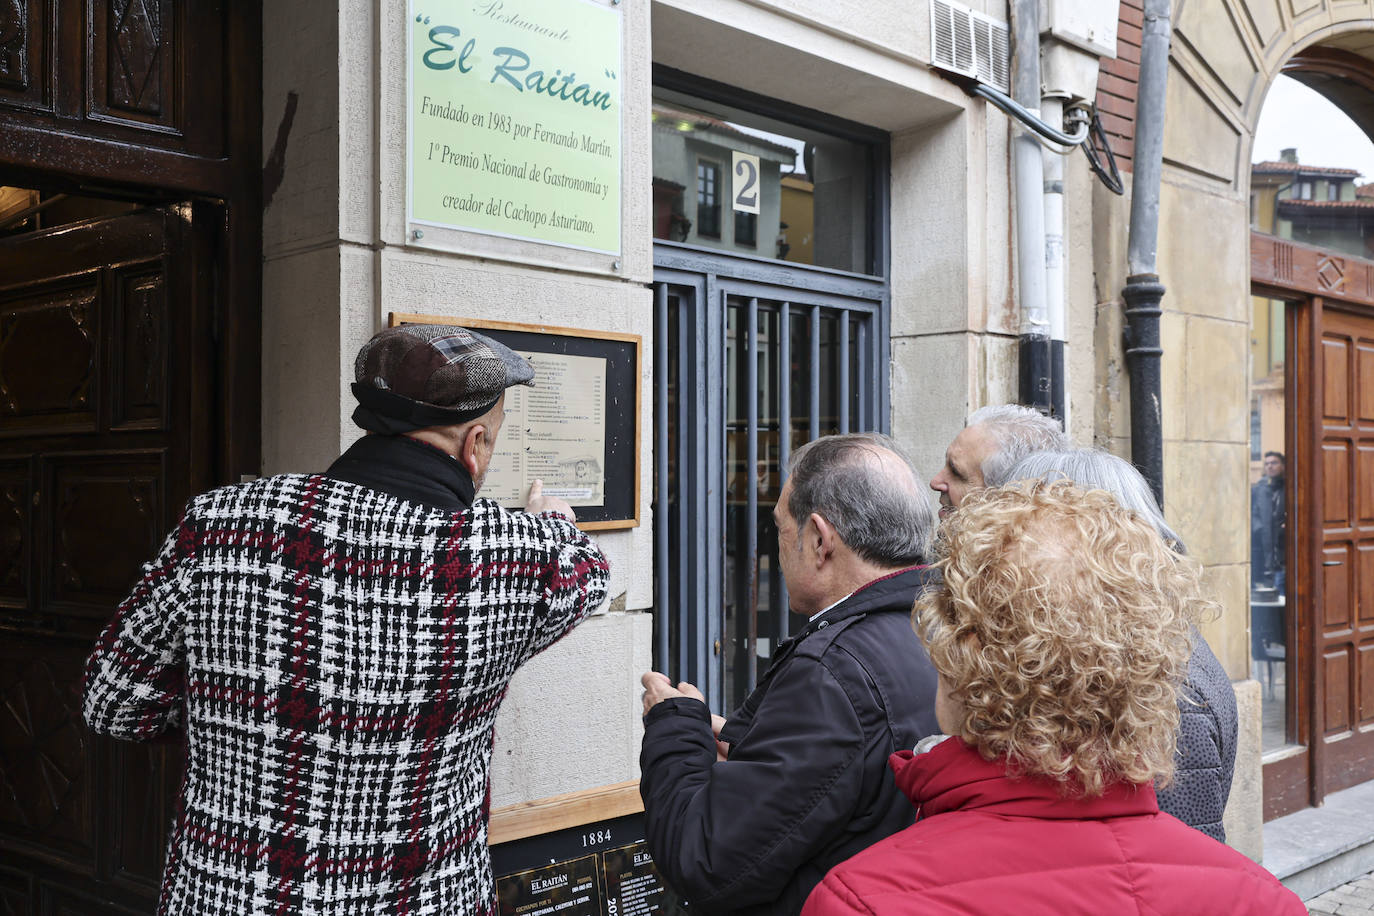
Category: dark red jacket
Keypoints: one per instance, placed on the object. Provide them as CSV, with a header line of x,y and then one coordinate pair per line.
x,y
988,844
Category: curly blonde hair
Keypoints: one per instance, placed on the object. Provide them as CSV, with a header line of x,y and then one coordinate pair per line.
x,y
1063,630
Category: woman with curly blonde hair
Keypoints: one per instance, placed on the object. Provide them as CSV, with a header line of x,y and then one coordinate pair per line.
x,y
1061,636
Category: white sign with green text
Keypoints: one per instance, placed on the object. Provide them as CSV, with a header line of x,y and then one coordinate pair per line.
x,y
514,119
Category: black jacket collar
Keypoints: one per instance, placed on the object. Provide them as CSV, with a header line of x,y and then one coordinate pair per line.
x,y
892,592
407,469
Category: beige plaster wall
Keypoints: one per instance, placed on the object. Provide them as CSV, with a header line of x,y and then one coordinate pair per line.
x,y
338,261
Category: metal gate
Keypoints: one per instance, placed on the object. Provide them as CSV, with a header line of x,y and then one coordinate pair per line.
x,y
752,359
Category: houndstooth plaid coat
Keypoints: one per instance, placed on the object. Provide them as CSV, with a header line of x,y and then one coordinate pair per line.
x,y
338,656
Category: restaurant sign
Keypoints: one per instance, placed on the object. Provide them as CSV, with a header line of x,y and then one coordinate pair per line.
x,y
513,122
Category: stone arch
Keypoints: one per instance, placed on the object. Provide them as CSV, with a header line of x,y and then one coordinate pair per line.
x,y
1225,55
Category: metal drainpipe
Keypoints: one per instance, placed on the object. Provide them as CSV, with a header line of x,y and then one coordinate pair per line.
x,y
1143,290
1052,112
1029,180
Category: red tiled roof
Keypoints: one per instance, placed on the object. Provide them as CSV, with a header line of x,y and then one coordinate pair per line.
x,y
1299,167
1364,190
1327,204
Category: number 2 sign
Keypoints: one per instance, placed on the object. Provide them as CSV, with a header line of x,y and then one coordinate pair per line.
x,y
746,182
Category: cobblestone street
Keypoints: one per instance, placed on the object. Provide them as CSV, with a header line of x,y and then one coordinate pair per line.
x,y
1356,897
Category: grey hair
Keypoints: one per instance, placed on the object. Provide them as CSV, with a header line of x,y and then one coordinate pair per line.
x,y
1018,431
1098,470
884,521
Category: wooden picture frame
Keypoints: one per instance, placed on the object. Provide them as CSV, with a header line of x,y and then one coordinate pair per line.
x,y
624,364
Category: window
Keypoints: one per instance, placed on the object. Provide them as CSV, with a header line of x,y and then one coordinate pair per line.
x,y
746,229
1303,190
814,188
1333,190
754,357
1269,622
708,200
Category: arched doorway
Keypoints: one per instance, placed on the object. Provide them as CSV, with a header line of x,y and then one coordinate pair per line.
x,y
1312,454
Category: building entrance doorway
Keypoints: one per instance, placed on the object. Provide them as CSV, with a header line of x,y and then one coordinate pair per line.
x,y
1312,629
130,286
106,377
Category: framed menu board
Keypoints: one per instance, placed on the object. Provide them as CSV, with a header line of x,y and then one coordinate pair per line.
x,y
581,854
576,429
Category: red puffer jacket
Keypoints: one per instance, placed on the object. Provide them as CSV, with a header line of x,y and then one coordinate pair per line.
x,y
989,844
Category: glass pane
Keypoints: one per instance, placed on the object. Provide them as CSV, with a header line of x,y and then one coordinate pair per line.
x,y
802,196
1269,608
769,471
671,565
739,566
829,371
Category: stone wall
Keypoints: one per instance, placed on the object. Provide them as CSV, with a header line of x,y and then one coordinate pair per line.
x,y
338,262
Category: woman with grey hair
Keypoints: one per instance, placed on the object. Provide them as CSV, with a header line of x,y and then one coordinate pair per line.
x,y
1208,724
1098,470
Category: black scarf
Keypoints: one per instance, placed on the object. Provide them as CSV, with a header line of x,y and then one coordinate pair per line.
x,y
407,469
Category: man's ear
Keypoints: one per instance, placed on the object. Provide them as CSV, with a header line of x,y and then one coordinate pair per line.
x,y
822,539
469,448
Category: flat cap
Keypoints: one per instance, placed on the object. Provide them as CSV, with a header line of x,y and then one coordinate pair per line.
x,y
419,375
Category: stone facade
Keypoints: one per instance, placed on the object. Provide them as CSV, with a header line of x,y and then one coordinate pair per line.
x,y
337,261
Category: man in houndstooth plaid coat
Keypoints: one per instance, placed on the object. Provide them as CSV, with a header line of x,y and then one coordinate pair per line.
x,y
336,647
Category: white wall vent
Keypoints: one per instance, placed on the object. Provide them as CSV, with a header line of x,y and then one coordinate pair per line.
x,y
970,44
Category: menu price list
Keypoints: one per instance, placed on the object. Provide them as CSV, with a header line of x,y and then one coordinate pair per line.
x,y
621,881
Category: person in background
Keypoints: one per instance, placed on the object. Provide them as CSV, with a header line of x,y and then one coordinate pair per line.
x,y
1060,634
750,818
1269,526
1208,723
991,442
336,647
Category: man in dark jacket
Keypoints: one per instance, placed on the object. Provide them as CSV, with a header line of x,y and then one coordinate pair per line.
x,y
750,818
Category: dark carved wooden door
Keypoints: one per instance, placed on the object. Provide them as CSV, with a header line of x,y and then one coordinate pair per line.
x,y
105,414
1344,623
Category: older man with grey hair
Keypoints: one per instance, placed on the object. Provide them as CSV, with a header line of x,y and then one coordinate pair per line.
x,y
750,818
336,646
991,442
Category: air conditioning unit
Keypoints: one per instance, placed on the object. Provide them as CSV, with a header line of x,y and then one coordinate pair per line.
x,y
970,44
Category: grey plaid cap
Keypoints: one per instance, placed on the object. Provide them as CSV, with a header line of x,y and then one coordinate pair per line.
x,y
440,365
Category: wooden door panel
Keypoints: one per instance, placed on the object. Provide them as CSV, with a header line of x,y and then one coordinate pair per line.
x,y
1345,636
1336,574
60,900
146,778
106,519
134,52
140,318
90,482
145,71
1365,666
1336,675
16,502
16,893
1365,376
49,356
46,803
1364,575
1335,365
25,77
1364,471
1336,482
